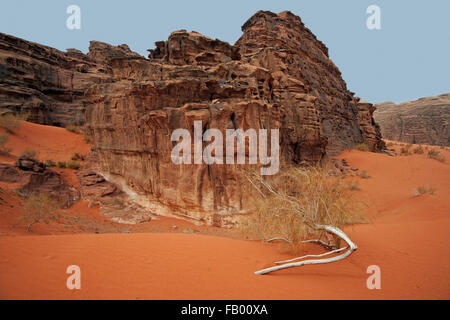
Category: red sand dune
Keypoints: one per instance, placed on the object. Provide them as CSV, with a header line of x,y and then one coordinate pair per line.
x,y
51,143
407,237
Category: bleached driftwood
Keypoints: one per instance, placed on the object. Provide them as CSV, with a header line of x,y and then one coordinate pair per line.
x,y
312,256
311,221
330,229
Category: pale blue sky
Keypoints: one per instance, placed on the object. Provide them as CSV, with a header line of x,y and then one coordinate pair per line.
x,y
407,59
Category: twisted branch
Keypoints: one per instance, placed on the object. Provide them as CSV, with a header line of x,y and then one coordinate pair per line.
x,y
330,229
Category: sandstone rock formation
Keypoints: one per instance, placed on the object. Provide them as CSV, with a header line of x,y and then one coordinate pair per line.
x,y
44,83
276,76
114,203
308,84
424,121
32,177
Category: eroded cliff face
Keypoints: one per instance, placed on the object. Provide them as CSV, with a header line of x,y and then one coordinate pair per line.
x,y
330,119
45,84
132,120
276,76
424,121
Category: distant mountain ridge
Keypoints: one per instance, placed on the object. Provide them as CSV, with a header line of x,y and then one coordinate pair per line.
x,y
423,121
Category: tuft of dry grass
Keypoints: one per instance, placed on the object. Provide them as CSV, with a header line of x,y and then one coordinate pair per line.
x,y
424,190
418,150
405,150
29,154
353,186
73,165
62,164
50,163
76,156
289,204
364,175
434,154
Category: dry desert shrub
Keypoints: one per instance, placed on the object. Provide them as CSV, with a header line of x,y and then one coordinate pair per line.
x,y
364,175
353,186
29,154
76,156
50,163
290,205
424,190
434,154
38,208
418,150
405,150
61,164
73,165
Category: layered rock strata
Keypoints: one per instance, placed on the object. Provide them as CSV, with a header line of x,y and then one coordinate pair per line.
x,y
276,76
424,121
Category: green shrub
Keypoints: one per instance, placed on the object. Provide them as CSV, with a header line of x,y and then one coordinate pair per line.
x,y
29,154
62,164
73,165
50,163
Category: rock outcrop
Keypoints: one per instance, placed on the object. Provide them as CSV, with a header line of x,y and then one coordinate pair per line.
x,y
276,76
322,115
424,121
45,84
32,177
114,203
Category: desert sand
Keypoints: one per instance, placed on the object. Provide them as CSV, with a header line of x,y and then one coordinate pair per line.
x,y
407,236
